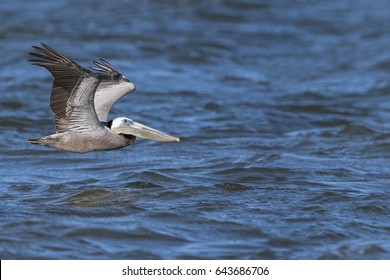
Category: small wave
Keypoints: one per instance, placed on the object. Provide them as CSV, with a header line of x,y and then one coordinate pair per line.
x,y
283,242
142,185
149,178
233,187
373,208
370,251
133,234
354,129
333,196
101,198
23,187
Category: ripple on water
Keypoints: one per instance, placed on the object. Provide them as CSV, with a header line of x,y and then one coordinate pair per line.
x,y
233,187
100,197
150,178
255,174
142,185
357,130
23,187
364,252
373,207
139,234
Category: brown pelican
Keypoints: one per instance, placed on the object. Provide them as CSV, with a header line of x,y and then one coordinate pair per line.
x,y
81,100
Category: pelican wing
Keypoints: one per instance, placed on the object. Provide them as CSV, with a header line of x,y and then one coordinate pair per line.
x,y
72,95
112,87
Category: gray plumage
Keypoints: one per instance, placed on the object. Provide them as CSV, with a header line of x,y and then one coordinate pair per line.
x,y
81,100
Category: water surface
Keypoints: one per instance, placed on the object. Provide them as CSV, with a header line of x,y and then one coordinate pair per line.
x,y
282,107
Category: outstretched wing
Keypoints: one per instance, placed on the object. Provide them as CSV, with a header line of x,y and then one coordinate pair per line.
x,y
112,87
72,95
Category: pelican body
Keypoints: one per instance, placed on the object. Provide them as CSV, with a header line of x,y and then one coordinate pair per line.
x,y
81,100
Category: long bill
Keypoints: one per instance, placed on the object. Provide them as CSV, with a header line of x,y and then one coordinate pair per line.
x,y
143,131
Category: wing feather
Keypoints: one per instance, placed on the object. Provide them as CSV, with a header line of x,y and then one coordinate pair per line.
x,y
72,95
112,87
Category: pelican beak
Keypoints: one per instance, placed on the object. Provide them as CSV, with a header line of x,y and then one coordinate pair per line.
x,y
143,131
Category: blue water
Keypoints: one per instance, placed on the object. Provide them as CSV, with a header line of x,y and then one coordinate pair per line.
x,y
282,108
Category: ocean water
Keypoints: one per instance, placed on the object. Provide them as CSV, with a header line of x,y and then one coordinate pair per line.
x,y
282,107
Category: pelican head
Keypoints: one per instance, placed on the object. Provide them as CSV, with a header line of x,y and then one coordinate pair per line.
x,y
127,126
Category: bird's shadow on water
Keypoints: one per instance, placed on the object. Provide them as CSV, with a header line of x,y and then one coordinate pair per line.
x,y
128,195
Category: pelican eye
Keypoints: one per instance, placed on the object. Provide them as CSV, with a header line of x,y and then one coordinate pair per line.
x,y
127,121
